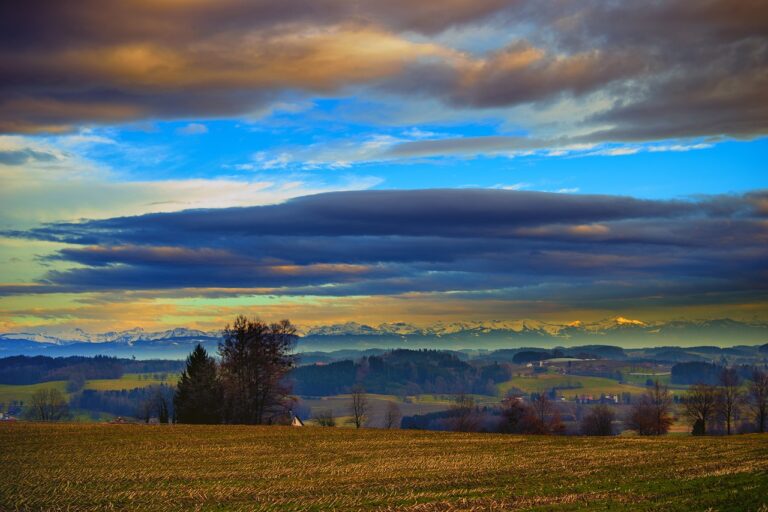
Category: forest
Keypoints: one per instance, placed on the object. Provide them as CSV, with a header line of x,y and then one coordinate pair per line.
x,y
401,372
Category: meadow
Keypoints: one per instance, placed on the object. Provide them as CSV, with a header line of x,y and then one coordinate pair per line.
x,y
595,386
183,467
10,392
133,380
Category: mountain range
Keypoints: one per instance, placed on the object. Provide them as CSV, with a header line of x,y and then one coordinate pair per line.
x,y
177,343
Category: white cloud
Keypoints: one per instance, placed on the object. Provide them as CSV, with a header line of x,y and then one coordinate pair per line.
x,y
679,147
622,151
73,187
84,138
333,155
417,133
267,162
513,186
193,129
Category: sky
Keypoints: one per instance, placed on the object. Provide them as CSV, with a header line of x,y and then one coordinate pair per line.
x,y
173,163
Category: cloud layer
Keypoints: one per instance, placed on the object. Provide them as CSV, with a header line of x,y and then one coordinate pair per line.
x,y
477,244
677,69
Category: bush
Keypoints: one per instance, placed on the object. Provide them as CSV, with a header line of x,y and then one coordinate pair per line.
x,y
598,422
325,418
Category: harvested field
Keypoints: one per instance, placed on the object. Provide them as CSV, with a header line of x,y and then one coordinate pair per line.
x,y
181,467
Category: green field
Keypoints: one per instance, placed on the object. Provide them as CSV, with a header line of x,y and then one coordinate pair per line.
x,y
10,392
640,377
594,386
100,467
131,381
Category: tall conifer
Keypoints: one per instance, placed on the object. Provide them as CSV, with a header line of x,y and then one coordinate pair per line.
x,y
198,393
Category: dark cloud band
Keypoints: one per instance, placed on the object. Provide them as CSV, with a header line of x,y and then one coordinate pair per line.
x,y
511,244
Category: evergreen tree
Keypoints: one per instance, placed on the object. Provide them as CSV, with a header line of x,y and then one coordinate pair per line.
x,y
198,393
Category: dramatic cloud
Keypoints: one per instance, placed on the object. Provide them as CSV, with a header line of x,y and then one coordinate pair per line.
x,y
500,244
676,69
213,153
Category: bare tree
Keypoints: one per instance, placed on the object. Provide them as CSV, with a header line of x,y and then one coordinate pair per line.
x,y
325,418
540,417
651,414
598,421
145,409
700,405
542,406
255,357
47,405
359,406
465,416
513,415
392,416
758,398
730,396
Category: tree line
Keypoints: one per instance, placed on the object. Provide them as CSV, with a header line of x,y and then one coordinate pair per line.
x,y
155,401
652,414
401,372
21,370
713,407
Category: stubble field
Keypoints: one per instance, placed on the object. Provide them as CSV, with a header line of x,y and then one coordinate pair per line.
x,y
180,467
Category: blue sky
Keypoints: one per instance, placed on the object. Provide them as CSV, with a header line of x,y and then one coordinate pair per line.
x,y
244,150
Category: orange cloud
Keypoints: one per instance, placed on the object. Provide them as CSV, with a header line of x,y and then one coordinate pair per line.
x,y
226,73
320,268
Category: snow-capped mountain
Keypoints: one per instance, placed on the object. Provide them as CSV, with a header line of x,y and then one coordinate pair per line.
x,y
127,337
620,331
498,334
32,336
346,329
441,329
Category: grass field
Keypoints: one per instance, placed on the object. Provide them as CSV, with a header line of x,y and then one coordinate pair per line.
x,y
9,392
639,378
594,386
99,467
131,381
